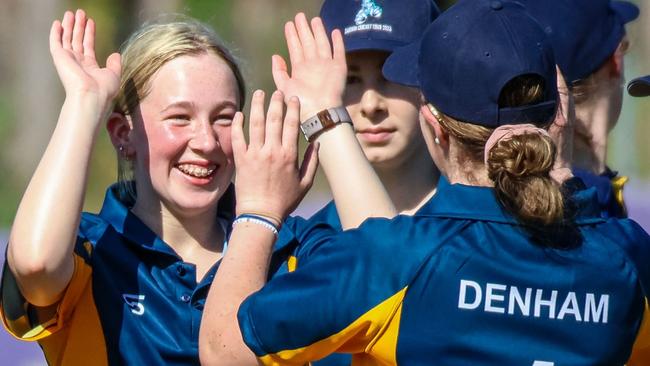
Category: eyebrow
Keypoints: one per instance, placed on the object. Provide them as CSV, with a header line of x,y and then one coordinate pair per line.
x,y
190,105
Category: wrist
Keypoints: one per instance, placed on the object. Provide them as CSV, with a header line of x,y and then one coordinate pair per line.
x,y
308,110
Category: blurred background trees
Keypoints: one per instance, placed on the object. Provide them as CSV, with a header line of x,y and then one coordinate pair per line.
x,y
30,94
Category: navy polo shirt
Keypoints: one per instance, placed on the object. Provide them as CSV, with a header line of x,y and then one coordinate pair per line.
x,y
459,283
609,187
131,300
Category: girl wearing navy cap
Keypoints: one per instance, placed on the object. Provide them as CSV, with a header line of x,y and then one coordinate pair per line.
x,y
589,41
385,115
499,268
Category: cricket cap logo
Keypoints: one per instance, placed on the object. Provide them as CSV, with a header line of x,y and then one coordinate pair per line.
x,y
369,9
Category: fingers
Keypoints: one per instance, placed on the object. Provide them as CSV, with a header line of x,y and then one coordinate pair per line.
x,y
68,24
56,33
323,47
306,37
237,136
293,43
309,166
291,124
338,46
280,72
256,129
114,63
273,134
89,39
78,31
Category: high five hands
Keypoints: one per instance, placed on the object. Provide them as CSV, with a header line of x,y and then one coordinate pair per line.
x,y
269,180
72,46
318,69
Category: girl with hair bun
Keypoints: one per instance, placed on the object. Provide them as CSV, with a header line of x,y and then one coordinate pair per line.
x,y
498,268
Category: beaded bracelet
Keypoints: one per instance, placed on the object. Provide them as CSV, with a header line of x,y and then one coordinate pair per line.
x,y
256,219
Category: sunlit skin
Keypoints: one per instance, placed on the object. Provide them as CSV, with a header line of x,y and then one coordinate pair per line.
x,y
385,114
181,138
387,125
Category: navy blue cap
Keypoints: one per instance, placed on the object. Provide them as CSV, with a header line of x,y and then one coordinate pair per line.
x,y
584,33
378,24
469,54
639,87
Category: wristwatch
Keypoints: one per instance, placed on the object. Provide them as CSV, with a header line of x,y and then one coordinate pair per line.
x,y
324,120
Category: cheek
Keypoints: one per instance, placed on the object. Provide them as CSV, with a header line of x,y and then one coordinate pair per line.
x,y
225,141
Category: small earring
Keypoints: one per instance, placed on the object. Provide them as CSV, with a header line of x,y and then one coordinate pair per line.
x,y
121,148
436,140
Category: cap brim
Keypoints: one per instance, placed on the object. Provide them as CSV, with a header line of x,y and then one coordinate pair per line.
x,y
639,87
353,44
401,66
626,10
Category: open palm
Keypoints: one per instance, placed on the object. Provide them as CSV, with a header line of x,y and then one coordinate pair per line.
x,y
72,45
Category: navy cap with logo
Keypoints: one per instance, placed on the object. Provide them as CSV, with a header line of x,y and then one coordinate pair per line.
x,y
639,87
584,33
378,24
468,55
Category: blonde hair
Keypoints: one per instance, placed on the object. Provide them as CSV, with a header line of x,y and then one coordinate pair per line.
x,y
519,166
144,53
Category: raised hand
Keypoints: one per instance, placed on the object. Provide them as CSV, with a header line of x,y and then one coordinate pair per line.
x,y
269,181
561,131
72,45
318,69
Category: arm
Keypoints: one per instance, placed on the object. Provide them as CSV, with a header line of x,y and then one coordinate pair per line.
x,y
268,183
44,230
318,75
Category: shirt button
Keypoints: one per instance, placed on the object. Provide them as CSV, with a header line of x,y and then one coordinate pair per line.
x,y
180,270
185,298
496,5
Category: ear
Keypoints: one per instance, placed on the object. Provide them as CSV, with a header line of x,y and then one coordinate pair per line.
x,y
119,129
615,62
433,123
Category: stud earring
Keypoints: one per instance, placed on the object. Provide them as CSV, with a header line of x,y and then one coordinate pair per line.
x,y
436,140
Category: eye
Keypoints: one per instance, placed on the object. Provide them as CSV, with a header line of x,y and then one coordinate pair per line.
x,y
223,119
178,118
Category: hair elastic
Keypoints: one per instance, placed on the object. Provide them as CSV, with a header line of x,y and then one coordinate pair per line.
x,y
506,132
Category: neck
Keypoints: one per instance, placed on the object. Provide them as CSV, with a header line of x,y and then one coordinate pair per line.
x,y
185,234
590,141
411,184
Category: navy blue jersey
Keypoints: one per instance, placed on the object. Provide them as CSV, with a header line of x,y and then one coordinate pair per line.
x,y
609,187
459,283
131,300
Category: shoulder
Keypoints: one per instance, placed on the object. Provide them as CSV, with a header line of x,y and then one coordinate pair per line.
x,y
629,239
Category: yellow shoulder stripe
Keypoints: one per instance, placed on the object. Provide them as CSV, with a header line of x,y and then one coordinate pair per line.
x,y
374,333
292,263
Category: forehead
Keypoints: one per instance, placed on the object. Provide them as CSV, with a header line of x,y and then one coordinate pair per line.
x,y
195,78
366,59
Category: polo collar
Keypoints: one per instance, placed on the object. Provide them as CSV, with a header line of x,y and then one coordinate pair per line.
x,y
117,214
480,203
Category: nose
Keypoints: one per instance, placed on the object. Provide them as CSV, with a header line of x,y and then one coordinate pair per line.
x,y
205,137
372,103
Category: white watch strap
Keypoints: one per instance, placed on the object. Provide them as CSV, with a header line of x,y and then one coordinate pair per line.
x,y
324,120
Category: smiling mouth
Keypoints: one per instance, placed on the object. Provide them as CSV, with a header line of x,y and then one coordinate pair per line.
x,y
196,170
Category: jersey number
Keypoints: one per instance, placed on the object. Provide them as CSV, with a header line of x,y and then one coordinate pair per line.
x,y
133,301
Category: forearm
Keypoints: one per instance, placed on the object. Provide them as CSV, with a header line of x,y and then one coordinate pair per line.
x,y
242,271
44,230
356,188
